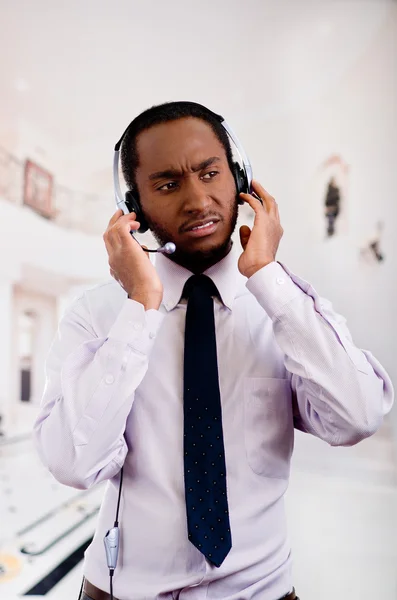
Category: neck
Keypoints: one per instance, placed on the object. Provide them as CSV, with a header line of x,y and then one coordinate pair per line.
x,y
199,263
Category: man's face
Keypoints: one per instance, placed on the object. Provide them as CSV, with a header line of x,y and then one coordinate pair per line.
x,y
187,191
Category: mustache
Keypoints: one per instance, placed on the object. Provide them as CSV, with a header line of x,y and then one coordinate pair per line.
x,y
204,217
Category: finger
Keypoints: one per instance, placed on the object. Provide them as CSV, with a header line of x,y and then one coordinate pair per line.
x,y
111,223
268,200
120,232
109,241
254,203
115,218
245,233
117,237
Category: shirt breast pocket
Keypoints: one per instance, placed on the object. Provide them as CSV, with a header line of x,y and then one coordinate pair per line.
x,y
268,426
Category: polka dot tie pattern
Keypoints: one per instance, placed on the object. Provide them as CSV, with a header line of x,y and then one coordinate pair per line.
x,y
204,455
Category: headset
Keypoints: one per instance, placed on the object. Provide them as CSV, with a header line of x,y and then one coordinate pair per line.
x,y
242,174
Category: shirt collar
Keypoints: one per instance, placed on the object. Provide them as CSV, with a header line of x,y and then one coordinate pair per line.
x,y
224,274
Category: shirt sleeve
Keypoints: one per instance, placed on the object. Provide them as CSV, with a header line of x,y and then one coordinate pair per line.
x,y
340,392
89,390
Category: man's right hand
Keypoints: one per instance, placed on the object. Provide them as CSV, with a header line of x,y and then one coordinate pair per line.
x,y
129,265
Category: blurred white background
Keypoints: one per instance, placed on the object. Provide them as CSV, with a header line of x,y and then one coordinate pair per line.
x,y
310,87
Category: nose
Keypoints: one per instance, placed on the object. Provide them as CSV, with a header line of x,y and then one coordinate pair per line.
x,y
196,198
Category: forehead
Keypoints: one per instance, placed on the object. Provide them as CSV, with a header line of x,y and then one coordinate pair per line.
x,y
187,139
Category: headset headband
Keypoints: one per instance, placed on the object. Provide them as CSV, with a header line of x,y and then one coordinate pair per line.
x,y
240,150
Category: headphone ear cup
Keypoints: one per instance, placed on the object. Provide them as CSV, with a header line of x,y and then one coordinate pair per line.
x,y
133,205
240,177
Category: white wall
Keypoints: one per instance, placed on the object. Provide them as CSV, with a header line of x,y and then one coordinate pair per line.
x,y
357,119
47,265
31,240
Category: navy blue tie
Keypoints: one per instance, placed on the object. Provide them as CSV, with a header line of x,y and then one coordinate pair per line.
x,y
204,454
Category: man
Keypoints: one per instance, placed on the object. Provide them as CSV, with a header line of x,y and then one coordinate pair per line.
x,y
204,432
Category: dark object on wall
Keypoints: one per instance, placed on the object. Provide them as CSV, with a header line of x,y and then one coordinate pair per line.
x,y
332,206
38,189
372,250
375,249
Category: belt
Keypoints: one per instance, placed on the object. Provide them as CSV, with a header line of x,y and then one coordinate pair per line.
x,y
95,593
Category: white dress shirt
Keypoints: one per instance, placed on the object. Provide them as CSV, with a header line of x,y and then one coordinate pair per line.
x,y
114,397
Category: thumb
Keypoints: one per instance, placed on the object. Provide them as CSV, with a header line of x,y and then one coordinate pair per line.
x,y
245,233
145,248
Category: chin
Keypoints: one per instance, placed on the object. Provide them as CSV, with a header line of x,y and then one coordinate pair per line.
x,y
204,244
203,249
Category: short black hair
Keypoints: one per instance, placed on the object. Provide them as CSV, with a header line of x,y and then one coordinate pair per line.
x,y
162,113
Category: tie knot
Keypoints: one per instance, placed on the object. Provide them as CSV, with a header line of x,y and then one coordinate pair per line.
x,y
202,283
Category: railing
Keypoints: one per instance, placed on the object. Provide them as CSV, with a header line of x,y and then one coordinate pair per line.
x,y
87,213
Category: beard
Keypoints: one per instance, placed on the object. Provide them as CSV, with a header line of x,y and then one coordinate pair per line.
x,y
197,260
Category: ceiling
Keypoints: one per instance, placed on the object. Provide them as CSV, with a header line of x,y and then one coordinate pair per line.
x,y
80,70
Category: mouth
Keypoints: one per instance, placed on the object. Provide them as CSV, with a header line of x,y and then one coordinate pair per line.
x,y
202,228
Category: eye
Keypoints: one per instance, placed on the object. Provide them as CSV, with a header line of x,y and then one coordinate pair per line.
x,y
171,185
210,175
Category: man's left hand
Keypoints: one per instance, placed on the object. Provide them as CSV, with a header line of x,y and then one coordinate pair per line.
x,y
261,244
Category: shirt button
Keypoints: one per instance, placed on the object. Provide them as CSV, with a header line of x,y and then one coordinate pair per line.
x,y
280,281
152,335
137,326
109,379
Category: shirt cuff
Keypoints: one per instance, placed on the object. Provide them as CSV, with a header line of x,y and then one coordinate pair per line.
x,y
135,326
273,288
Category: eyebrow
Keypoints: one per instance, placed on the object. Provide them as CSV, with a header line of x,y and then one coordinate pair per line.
x,y
171,173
